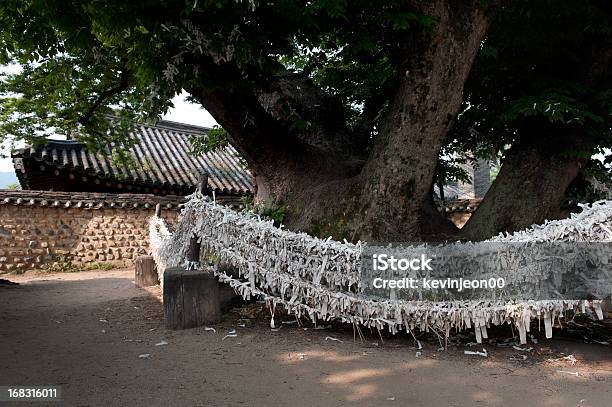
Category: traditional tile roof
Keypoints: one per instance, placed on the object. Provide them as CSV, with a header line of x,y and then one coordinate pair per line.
x,y
462,205
162,162
88,200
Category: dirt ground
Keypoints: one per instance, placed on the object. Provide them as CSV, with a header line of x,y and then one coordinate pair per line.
x,y
89,332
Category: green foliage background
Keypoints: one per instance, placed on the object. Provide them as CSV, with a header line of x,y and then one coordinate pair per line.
x,y
83,62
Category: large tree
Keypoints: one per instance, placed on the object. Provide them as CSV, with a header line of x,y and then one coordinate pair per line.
x,y
541,85
341,109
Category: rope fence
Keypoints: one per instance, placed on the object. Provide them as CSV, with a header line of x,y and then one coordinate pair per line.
x,y
320,278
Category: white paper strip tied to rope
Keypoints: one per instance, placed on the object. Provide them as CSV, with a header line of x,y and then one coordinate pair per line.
x,y
592,224
240,238
321,278
159,237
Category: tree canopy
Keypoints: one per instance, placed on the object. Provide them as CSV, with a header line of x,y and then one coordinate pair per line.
x,y
83,60
357,99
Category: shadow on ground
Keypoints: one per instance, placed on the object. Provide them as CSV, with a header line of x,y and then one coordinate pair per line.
x,y
103,340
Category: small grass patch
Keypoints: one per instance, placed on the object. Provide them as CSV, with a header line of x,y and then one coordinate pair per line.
x,y
65,265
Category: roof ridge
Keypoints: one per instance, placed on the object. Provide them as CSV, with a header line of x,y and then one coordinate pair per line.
x,y
89,200
169,124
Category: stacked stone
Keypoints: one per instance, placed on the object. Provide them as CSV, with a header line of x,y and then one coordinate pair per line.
x,y
42,228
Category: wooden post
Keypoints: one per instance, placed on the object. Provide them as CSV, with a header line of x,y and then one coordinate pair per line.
x,y
191,298
158,210
193,254
145,274
203,183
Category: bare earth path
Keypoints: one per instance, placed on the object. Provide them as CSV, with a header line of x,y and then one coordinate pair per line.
x,y
85,331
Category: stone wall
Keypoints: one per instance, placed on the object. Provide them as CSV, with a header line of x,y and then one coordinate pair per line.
x,y
38,229
42,228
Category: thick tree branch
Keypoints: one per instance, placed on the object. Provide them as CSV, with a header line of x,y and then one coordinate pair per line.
x,y
105,95
402,163
542,163
541,171
277,154
314,117
301,109
262,120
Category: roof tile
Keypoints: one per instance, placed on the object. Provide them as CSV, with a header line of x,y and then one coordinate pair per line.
x,y
162,158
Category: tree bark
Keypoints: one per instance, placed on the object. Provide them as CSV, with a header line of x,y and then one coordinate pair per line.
x,y
399,174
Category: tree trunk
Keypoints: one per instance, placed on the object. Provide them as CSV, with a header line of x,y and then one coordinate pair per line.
x,y
395,203
390,198
529,189
327,189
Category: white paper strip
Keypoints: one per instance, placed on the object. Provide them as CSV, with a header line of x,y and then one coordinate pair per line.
x,y
320,279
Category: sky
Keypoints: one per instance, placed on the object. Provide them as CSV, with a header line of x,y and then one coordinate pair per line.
x,y
183,112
